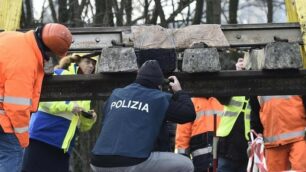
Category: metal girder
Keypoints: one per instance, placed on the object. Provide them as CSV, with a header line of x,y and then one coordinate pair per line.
x,y
224,83
240,35
250,35
95,38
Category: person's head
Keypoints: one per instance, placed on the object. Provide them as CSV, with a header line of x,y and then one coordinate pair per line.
x,y
150,74
86,63
53,39
240,65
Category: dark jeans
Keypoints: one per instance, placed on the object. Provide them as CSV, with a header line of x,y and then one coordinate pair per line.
x,y
202,163
227,165
40,156
10,153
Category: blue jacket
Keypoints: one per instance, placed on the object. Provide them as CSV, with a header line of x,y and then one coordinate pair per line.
x,y
133,117
55,124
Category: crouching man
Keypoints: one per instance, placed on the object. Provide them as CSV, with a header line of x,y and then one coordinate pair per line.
x,y
133,118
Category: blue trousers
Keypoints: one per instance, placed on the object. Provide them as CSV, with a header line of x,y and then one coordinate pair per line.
x,y
11,153
227,165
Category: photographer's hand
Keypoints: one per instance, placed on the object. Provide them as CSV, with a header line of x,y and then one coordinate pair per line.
x,y
174,84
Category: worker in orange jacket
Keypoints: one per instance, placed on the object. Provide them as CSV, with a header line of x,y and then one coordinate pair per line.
x,y
282,122
22,57
195,138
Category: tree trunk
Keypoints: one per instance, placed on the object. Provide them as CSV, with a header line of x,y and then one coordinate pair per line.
x,y
76,12
270,11
146,12
188,15
119,12
160,12
53,12
233,9
100,9
154,16
62,11
108,17
128,12
27,14
198,12
213,12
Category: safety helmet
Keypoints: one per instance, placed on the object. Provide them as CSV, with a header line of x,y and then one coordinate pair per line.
x,y
57,38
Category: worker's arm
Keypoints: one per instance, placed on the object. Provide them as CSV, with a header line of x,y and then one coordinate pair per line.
x,y
255,118
58,106
17,98
181,109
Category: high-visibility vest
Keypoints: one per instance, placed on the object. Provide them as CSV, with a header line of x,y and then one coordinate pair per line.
x,y
231,113
21,75
55,124
203,124
283,119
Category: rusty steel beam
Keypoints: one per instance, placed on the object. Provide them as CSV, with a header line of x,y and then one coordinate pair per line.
x,y
224,83
238,35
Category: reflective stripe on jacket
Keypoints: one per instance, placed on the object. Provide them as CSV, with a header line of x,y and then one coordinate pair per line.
x,y
283,119
55,124
187,134
231,113
21,75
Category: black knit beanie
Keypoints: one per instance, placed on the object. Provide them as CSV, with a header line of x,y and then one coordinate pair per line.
x,y
150,71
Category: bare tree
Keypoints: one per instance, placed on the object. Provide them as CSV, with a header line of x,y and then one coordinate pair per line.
x,y
198,12
53,12
146,11
128,11
182,5
160,11
62,11
270,11
27,14
119,12
100,8
233,9
213,11
76,10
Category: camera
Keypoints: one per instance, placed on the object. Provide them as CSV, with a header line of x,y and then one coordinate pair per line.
x,y
167,81
166,84
87,114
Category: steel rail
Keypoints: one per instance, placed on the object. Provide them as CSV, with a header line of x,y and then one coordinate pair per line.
x,y
224,83
239,35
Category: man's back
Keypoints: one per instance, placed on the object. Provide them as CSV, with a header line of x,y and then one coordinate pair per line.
x,y
137,114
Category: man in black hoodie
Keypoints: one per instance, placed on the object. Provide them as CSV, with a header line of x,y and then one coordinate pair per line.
x,y
133,118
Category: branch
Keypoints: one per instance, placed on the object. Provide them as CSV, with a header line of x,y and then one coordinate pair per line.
x,y
182,5
53,13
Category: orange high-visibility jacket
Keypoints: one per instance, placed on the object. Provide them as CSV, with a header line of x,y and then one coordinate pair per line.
x,y
21,75
283,119
204,123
